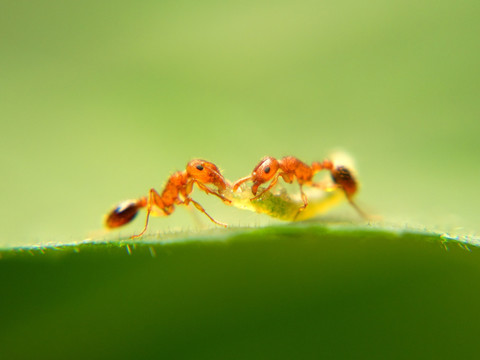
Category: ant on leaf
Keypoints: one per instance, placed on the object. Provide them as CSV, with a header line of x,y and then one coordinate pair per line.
x,y
176,192
291,168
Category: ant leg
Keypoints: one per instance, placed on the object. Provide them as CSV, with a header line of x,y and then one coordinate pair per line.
x,y
305,201
343,177
355,206
272,184
209,191
241,181
344,180
325,186
332,187
200,207
153,199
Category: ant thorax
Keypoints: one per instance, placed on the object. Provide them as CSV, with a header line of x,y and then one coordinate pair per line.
x,y
292,165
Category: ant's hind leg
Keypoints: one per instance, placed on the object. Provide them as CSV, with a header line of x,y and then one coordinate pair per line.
x,y
331,187
153,199
325,186
344,179
355,206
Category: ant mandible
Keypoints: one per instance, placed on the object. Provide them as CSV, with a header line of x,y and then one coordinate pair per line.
x,y
176,192
291,168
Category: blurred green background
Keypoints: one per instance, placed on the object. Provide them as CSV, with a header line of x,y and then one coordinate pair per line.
x,y
100,101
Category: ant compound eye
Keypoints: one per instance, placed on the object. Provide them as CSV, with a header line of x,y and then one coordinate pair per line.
x,y
199,167
267,170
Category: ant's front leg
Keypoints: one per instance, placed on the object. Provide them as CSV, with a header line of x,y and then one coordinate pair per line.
x,y
200,207
210,191
256,185
239,182
287,177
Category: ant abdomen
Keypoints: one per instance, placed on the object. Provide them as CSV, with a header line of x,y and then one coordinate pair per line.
x,y
124,213
343,177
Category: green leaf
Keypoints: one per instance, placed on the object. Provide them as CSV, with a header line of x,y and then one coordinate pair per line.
x,y
302,290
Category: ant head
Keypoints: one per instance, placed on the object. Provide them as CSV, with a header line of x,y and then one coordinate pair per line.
x,y
205,172
265,170
122,214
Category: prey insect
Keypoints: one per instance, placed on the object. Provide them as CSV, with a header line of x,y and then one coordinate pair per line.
x,y
290,169
176,192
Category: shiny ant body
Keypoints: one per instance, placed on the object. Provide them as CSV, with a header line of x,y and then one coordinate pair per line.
x,y
290,168
176,192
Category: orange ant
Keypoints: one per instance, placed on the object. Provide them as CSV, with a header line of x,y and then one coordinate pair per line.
x,y
289,168
176,192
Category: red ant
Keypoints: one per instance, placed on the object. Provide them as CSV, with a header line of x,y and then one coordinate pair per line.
x,y
289,168
176,192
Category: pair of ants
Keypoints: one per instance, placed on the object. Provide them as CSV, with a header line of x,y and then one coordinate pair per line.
x,y
202,173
